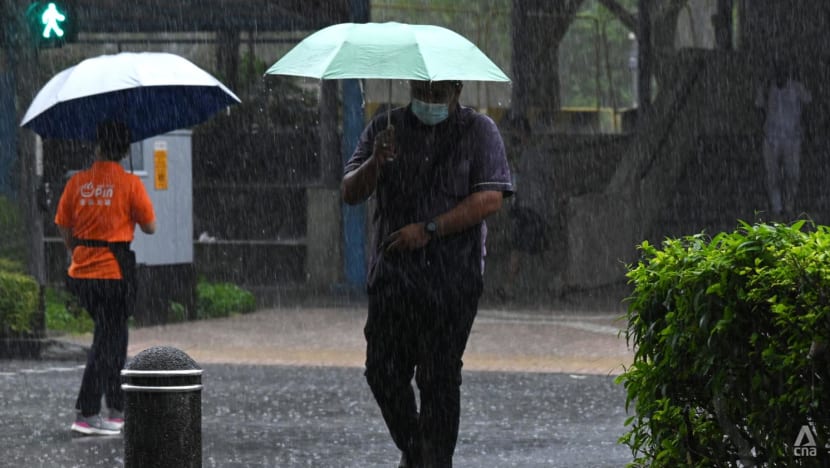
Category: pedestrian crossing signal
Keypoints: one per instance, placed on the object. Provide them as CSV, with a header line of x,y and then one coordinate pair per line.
x,y
51,23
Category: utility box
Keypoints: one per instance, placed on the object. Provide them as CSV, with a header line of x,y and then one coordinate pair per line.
x,y
166,274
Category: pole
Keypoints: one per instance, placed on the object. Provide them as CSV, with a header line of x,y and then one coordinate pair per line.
x,y
644,55
8,124
354,217
23,60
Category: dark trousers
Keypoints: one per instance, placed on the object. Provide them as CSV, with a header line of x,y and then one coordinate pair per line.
x,y
422,335
105,300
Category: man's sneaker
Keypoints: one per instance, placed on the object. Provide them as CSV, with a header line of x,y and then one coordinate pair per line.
x,y
116,418
94,425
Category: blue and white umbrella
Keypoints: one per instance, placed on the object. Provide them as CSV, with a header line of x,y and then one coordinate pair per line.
x,y
151,92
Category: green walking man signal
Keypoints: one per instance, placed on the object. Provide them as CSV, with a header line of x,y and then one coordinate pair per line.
x,y
52,24
50,19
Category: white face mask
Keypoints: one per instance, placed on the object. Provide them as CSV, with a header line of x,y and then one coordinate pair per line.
x,y
430,113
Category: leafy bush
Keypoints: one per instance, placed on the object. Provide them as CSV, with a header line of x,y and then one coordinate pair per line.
x,y
12,233
11,266
19,299
18,291
64,314
723,330
177,312
222,299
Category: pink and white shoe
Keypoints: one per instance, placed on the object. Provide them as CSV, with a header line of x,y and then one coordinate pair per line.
x,y
116,418
94,425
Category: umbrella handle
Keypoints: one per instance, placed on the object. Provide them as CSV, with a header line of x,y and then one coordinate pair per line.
x,y
389,108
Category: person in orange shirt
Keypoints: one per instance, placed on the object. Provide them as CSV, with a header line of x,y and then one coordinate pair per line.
x,y
96,216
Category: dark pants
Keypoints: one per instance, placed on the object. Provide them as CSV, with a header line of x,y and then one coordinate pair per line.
x,y
422,335
105,300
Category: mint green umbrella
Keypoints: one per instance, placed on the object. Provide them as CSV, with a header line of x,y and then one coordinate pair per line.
x,y
393,51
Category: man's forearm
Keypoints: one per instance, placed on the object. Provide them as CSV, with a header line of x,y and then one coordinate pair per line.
x,y
471,211
359,184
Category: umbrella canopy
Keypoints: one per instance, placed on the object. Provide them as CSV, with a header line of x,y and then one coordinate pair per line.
x,y
388,51
151,92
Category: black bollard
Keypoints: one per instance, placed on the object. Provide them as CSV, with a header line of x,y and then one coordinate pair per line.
x,y
163,410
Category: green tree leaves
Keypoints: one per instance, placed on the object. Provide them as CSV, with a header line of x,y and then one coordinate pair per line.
x,y
722,329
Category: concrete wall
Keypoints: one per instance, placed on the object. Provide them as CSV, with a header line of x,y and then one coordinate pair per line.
x,y
323,261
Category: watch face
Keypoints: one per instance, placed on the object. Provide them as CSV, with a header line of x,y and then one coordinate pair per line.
x,y
431,227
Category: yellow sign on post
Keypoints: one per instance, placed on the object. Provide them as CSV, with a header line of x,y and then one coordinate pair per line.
x,y
160,163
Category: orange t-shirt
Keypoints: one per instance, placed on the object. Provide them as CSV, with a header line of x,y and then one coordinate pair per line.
x,y
103,202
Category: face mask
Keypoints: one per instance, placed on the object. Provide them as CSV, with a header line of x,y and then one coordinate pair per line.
x,y
430,113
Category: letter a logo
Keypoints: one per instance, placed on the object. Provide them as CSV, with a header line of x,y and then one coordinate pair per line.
x,y
805,433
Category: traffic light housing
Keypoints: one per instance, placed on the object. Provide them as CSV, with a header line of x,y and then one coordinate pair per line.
x,y
51,23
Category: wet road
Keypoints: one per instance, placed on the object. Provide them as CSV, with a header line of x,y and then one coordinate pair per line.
x,y
300,403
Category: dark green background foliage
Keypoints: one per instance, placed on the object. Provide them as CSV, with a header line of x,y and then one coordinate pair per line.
x,y
579,64
18,291
18,302
222,299
12,232
64,314
722,329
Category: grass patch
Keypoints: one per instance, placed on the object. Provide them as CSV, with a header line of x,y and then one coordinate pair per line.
x,y
64,314
222,299
213,300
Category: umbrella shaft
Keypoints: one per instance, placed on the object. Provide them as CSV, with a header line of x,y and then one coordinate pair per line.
x,y
389,109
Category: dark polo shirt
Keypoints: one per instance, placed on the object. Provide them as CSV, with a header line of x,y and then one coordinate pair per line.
x,y
435,168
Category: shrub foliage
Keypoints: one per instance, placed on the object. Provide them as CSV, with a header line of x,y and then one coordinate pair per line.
x,y
64,314
222,299
722,330
12,233
19,296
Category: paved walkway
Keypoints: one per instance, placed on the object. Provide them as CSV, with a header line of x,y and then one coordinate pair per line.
x,y
501,340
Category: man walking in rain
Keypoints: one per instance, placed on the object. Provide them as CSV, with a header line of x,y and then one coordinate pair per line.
x,y
96,216
436,172
783,102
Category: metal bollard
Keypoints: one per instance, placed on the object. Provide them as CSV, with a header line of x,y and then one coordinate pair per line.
x,y
163,410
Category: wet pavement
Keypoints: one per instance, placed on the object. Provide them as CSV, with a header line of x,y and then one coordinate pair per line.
x,y
501,340
283,387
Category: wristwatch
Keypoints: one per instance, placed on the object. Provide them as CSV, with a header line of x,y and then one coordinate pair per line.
x,y
431,227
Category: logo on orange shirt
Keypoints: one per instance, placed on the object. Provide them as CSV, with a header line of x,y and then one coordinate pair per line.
x,y
96,194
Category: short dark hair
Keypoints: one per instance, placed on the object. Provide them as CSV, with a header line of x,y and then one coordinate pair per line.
x,y
113,139
452,87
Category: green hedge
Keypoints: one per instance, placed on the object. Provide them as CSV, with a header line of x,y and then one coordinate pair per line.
x,y
19,298
222,299
722,330
64,314
12,233
18,292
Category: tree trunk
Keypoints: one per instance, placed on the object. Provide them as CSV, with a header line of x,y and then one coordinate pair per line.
x,y
627,19
645,56
538,27
664,16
